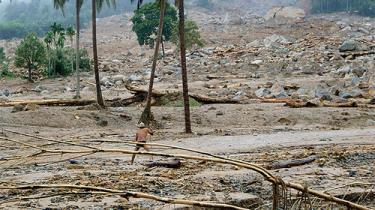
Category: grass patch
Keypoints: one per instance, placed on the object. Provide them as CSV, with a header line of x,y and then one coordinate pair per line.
x,y
177,101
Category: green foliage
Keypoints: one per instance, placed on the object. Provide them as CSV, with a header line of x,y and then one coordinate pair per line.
x,y
146,22
61,61
192,35
22,17
30,53
177,101
362,7
4,66
4,71
2,54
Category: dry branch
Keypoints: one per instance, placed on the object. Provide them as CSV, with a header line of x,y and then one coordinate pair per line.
x,y
128,194
51,102
266,174
292,163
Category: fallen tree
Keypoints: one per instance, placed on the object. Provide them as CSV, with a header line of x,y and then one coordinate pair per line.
x,y
142,92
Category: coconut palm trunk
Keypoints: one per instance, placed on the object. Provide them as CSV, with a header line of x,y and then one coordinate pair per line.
x,y
78,7
185,88
99,95
147,115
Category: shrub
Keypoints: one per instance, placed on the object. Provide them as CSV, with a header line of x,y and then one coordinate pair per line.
x,y
62,62
192,35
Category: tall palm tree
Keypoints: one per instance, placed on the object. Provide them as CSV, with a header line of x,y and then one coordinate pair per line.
x,y
99,95
147,115
185,88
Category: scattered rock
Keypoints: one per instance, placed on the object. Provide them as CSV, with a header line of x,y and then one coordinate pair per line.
x,y
18,108
102,122
262,92
219,113
278,91
288,13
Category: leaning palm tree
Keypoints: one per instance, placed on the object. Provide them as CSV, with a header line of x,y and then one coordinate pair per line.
x,y
146,116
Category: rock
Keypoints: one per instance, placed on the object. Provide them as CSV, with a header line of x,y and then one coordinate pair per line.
x,y
344,70
352,45
134,78
287,13
323,94
255,43
257,62
6,93
44,92
102,122
270,41
18,108
105,79
278,91
67,89
262,92
106,68
118,82
359,71
352,93
119,77
39,88
212,108
219,113
372,101
31,107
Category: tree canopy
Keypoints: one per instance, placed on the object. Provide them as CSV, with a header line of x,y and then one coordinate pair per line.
x,y
146,22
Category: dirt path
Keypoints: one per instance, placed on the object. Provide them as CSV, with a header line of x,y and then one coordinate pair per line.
x,y
238,144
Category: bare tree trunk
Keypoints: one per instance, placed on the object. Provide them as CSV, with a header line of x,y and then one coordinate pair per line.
x,y
185,87
162,47
95,53
146,115
29,71
78,95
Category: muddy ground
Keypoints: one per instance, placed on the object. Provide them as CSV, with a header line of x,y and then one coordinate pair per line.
x,y
342,139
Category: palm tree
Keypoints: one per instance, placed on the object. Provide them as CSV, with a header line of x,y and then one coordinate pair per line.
x,y
147,115
99,95
185,88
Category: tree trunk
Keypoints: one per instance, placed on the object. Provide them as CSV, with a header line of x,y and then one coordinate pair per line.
x,y
146,115
185,88
29,71
78,95
95,54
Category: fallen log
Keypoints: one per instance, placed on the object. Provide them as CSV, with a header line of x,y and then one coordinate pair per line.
x,y
292,163
166,164
300,104
142,92
51,102
345,104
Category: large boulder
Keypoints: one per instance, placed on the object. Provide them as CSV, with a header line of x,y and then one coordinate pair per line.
x,y
285,13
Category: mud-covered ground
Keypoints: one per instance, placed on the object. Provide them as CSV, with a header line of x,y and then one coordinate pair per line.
x,y
342,139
